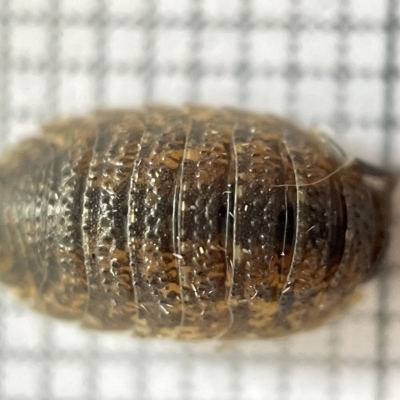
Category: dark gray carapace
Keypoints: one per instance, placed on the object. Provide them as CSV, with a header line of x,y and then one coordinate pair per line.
x,y
189,222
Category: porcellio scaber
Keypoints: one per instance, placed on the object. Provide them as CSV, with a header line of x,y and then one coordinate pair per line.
x,y
189,222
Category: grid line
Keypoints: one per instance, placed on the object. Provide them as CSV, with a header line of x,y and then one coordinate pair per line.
x,y
100,67
244,72
194,75
53,58
24,65
193,71
53,95
304,24
293,78
4,124
4,67
333,392
232,357
292,68
388,126
342,70
148,65
342,77
389,79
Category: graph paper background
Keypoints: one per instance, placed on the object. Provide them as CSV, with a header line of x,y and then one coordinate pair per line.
x,y
327,62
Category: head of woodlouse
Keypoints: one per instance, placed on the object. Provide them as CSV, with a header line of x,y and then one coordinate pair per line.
x,y
189,222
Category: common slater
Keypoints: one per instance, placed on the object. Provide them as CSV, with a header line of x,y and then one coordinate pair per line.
x,y
189,222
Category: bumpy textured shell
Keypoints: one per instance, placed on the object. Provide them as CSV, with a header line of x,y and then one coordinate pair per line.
x,y
188,223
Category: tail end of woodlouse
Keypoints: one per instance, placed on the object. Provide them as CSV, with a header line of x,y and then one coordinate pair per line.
x,y
381,182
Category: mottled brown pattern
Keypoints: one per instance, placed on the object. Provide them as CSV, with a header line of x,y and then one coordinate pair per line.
x,y
189,222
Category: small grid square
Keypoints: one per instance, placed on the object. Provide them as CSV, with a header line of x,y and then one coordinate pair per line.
x,y
254,377
268,48
69,379
126,46
219,48
171,46
321,12
123,8
365,98
28,88
116,380
25,6
77,45
267,94
29,41
349,377
314,100
21,334
228,92
21,379
213,381
367,49
76,92
316,382
349,344
372,10
164,85
217,10
176,9
318,50
169,379
124,90
273,9
76,7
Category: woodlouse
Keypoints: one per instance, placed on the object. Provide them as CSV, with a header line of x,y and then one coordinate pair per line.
x,y
189,222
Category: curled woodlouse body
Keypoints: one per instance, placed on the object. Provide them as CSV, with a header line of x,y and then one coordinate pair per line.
x,y
189,222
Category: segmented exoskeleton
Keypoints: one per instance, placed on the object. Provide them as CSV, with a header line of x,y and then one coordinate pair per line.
x,y
189,222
